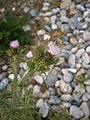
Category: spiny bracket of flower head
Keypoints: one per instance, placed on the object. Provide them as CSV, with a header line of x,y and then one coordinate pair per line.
x,y
11,28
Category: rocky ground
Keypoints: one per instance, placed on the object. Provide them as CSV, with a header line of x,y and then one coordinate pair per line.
x,y
67,84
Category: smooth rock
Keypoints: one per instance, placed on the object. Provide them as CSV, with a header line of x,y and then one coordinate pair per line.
x,y
56,10
65,4
29,54
1,76
64,27
87,82
71,60
36,89
54,26
85,58
41,32
39,103
4,67
44,110
33,13
68,77
76,101
72,23
73,41
85,109
65,87
80,7
88,49
11,76
64,19
86,97
48,14
72,70
63,13
57,84
80,52
54,100
76,112
66,97
78,91
82,26
47,28
88,88
26,9
38,79
66,104
86,35
51,79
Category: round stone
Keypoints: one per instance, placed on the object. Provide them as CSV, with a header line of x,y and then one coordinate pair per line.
x,y
11,76
38,79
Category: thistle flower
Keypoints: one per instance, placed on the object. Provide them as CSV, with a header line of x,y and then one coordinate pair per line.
x,y
14,44
53,48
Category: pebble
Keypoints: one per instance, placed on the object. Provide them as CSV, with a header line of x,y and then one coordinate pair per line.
x,y
86,35
85,58
76,112
64,19
1,76
63,13
39,103
47,28
66,97
33,13
81,26
68,77
73,41
78,91
5,67
72,70
41,32
54,100
88,49
56,10
88,88
72,23
38,79
36,89
64,27
65,87
72,60
80,52
29,54
48,14
51,79
85,109
86,97
26,9
54,26
44,110
80,7
66,104
65,4
11,77
46,37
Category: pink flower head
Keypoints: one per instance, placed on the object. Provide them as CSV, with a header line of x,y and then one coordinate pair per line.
x,y
53,48
14,44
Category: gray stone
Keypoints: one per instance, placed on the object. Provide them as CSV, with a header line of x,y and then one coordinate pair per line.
x,y
64,19
76,112
71,60
88,88
86,14
86,97
38,79
39,103
33,13
4,67
47,28
66,104
26,9
36,89
87,5
77,1
85,58
56,10
80,7
66,97
54,100
85,109
88,49
64,27
80,52
65,87
78,91
46,4
88,73
82,26
86,35
1,76
44,110
68,77
47,14
63,13
51,79
41,32
54,26
65,4
72,23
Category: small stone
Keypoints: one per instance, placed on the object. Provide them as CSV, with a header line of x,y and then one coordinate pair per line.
x,y
64,19
38,79
46,4
73,23
76,32
54,26
88,88
53,18
39,103
85,58
72,11
11,76
66,104
33,13
5,67
76,112
78,91
44,110
46,94
72,70
65,4
68,77
29,54
88,73
48,14
86,97
88,49
41,32
64,27
85,109
5,81
72,60
36,89
26,9
63,13
82,26
46,37
66,97
76,101
57,84
56,10
65,87
73,41
77,1
54,100
80,7
51,79
87,82
47,28
74,49
86,35
80,52
1,76
87,5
